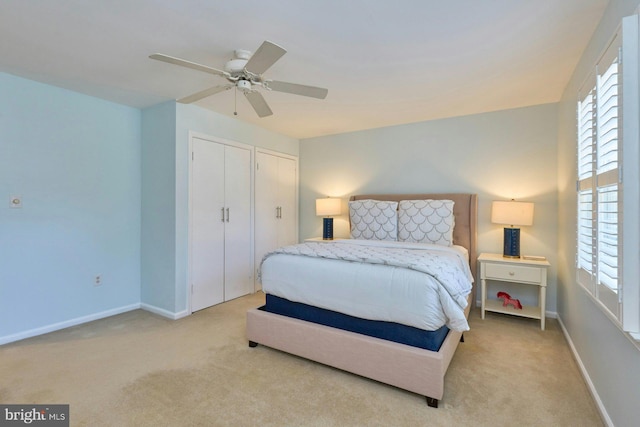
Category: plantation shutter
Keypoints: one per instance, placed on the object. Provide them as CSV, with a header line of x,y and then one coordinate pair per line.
x,y
586,172
598,210
608,211
608,97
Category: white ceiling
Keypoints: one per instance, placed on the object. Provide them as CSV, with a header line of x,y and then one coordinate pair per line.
x,y
384,62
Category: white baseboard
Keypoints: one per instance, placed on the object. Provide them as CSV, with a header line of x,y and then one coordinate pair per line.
x,y
164,313
585,375
67,323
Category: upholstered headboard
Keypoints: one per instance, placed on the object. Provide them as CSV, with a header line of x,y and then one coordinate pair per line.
x,y
465,211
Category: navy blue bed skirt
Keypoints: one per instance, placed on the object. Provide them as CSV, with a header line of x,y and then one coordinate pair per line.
x,y
409,335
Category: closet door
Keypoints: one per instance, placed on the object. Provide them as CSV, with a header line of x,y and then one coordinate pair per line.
x,y
276,189
266,231
207,225
238,278
287,197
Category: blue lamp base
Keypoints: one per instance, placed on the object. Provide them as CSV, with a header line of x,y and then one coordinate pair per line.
x,y
327,228
511,243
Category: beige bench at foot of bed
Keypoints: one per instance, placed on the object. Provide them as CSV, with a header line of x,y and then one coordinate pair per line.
x,y
409,368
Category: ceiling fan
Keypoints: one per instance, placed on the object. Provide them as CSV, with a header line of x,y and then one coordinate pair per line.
x,y
244,72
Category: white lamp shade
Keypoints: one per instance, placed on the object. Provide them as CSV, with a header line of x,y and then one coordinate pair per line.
x,y
512,213
328,206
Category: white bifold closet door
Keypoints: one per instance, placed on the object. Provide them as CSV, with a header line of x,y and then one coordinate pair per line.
x,y
238,268
288,202
221,261
276,204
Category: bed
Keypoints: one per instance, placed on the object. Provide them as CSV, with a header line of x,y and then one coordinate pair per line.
x,y
318,334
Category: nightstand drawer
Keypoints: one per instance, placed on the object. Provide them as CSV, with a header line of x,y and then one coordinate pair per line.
x,y
513,272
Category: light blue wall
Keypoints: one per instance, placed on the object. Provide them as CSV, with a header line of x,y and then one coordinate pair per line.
x,y
105,192
75,161
500,155
158,206
610,359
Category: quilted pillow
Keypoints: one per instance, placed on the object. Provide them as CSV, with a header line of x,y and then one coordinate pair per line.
x,y
373,220
426,221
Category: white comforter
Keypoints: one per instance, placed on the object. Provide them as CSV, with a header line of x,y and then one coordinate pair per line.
x,y
425,286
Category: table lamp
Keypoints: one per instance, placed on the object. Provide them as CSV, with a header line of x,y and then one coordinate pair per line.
x,y
327,207
512,213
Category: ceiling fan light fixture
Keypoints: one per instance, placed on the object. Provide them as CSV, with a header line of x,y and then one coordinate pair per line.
x,y
244,85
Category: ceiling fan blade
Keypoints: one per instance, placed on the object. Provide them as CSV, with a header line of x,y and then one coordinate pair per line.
x,y
203,94
258,103
296,89
266,55
188,64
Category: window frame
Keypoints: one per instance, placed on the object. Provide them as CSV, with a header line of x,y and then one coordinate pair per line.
x,y
630,235
626,302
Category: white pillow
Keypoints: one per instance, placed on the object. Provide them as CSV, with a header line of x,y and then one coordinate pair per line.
x,y
373,220
426,221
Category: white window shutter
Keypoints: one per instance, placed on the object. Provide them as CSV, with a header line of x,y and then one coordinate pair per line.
x,y
608,187
585,258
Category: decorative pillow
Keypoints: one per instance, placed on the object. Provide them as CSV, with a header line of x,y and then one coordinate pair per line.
x,y
373,220
426,221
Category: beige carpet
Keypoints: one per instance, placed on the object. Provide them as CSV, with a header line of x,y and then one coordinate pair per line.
x,y
138,369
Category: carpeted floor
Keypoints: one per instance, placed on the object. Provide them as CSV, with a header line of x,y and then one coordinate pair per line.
x,y
139,369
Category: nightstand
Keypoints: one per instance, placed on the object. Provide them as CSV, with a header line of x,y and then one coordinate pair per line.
x,y
514,270
320,239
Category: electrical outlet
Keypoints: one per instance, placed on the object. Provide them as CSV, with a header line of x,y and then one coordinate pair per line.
x,y
15,202
98,280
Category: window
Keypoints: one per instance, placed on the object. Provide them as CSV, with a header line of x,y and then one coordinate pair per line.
x,y
598,178
608,122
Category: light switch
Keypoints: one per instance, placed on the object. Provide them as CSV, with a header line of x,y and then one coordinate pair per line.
x,y
16,201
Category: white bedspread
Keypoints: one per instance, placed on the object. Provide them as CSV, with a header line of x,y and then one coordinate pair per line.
x,y
425,286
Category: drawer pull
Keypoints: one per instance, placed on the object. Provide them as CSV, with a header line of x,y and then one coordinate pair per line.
x,y
511,273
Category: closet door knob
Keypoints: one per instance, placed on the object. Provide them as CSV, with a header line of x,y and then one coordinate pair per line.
x,y
227,214
222,214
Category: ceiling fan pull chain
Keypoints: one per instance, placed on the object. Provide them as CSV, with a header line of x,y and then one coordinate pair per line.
x,y
235,101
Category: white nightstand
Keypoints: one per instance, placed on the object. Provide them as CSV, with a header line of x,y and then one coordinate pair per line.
x,y
514,270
